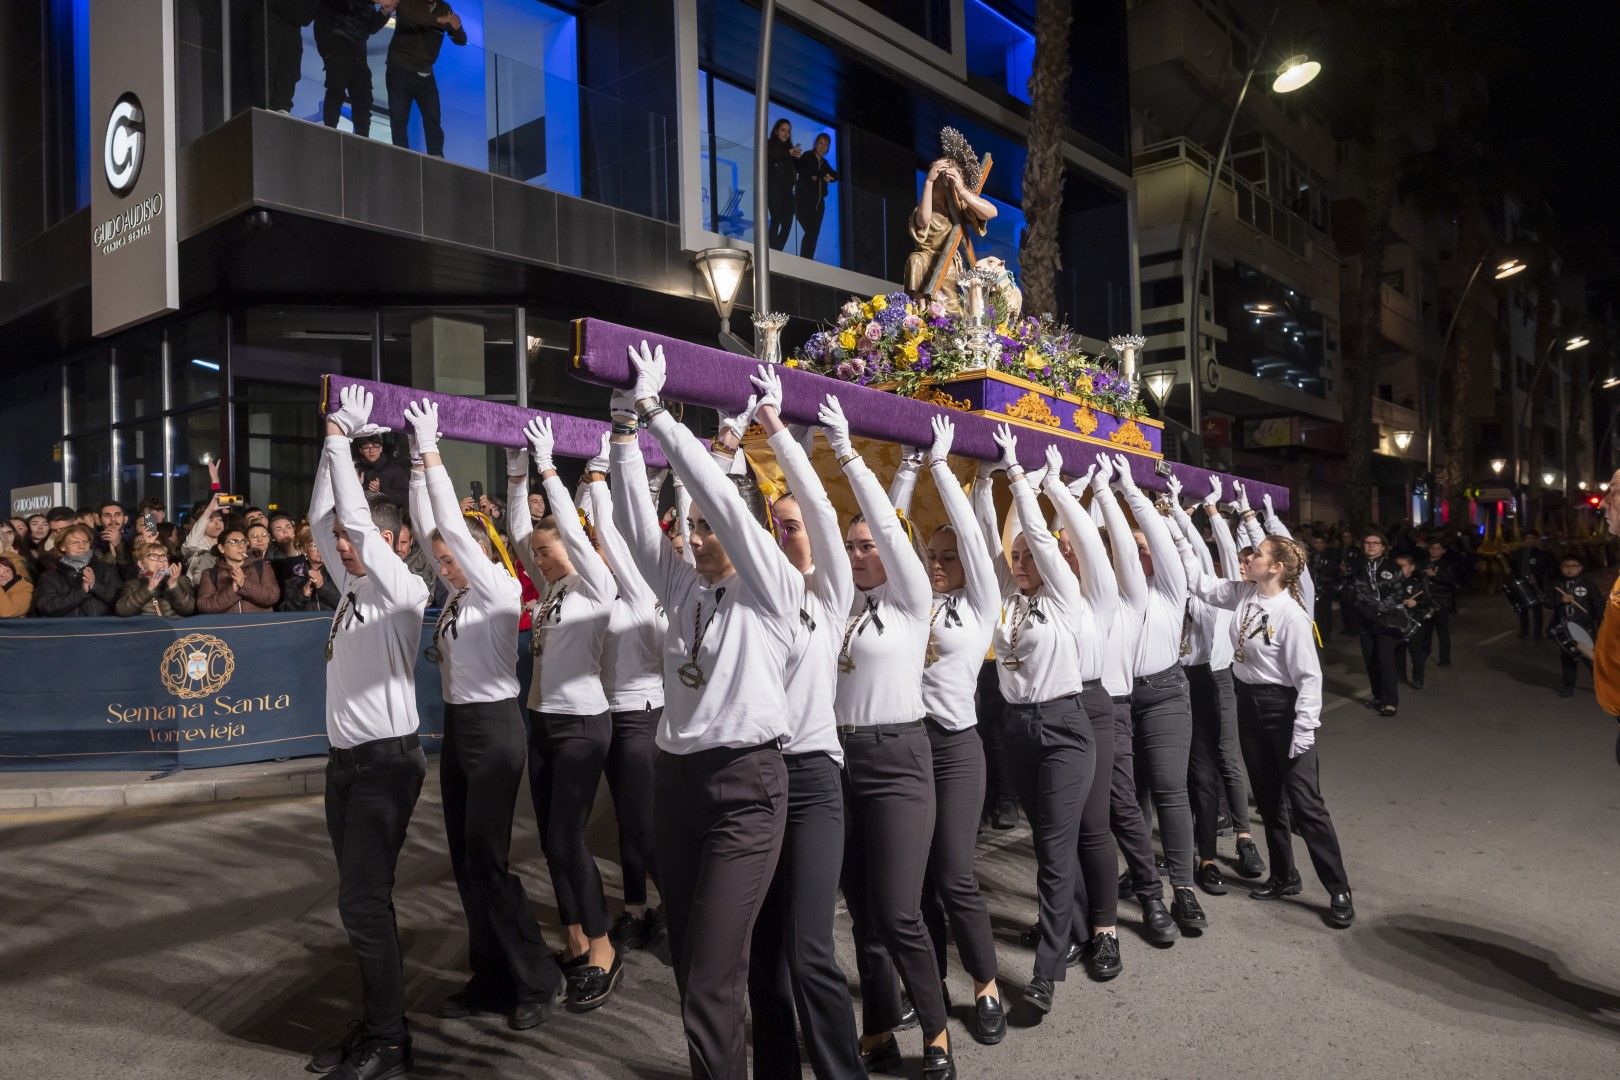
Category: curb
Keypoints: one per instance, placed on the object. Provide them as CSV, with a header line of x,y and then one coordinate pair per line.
x,y
290,779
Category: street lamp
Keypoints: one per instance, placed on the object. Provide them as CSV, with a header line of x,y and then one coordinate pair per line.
x,y
1159,382
1403,439
1498,464
1570,345
1294,73
1547,478
722,269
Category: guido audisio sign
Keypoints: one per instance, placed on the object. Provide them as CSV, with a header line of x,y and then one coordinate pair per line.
x,y
134,257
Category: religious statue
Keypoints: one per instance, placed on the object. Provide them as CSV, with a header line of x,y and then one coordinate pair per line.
x,y
953,210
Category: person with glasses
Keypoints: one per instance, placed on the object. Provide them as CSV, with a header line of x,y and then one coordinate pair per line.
x,y
236,583
159,588
1375,593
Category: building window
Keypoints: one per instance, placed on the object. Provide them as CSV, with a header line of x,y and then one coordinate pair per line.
x,y
66,101
998,49
928,19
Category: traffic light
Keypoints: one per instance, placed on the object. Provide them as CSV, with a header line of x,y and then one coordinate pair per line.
x,y
1594,501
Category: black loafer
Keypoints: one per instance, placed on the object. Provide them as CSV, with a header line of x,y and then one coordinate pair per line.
x,y
593,986
1157,925
1187,912
1038,994
1250,865
1031,936
1073,954
625,933
884,1057
328,1058
529,1014
1276,890
1210,880
1341,912
989,1021
571,967
937,1064
908,1014
1102,957
371,1061
1127,888
653,927
1005,817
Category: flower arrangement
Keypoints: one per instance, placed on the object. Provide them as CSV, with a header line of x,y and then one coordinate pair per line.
x,y
910,344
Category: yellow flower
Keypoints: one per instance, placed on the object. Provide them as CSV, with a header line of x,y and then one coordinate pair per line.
x,y
909,349
846,340
1003,330
879,302
792,363
1033,360
866,311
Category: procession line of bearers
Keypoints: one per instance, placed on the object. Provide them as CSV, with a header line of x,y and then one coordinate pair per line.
x,y
785,711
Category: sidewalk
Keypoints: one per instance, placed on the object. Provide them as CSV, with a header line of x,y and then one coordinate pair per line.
x,y
63,790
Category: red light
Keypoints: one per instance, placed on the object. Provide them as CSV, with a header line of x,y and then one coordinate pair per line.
x,y
1594,500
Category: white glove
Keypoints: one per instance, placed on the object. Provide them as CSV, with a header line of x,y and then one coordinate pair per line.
x,y
1104,474
835,427
1078,487
1008,443
622,407
1174,487
1242,496
1214,496
738,425
600,462
423,417
1303,741
517,462
541,442
944,436
769,385
1054,461
1036,479
649,366
1122,473
354,411
913,458
1265,498
984,471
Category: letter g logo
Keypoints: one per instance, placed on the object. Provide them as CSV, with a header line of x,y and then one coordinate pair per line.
x,y
125,144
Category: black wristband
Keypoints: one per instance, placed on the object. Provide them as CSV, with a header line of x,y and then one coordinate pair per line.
x,y
623,429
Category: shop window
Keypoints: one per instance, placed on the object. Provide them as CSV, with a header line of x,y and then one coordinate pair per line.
x,y
196,359
140,378
89,392
140,462
197,441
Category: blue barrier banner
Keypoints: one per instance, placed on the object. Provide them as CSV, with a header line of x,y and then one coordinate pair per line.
x,y
159,694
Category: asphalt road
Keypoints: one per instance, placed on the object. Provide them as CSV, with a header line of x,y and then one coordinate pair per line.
x,y
1480,827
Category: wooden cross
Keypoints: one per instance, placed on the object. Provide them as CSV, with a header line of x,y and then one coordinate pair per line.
x,y
948,255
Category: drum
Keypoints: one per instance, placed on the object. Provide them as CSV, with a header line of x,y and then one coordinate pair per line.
x,y
1573,638
1407,624
1524,594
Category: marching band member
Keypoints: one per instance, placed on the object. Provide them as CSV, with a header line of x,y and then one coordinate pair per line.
x,y
1375,601
1575,601
1279,688
375,768
794,968
569,723
1049,733
888,767
720,784
966,605
481,761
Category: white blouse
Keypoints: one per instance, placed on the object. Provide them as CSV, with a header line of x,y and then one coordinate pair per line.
x,y
1036,641
632,668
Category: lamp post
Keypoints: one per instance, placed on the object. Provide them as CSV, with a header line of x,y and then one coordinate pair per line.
x,y
1295,72
1504,270
1403,440
762,101
1570,345
1498,464
1158,384
723,269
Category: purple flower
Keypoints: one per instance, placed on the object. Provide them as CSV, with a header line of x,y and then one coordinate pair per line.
x,y
843,370
912,324
936,310
873,331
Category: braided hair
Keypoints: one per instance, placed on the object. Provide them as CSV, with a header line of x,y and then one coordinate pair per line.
x,y
1291,553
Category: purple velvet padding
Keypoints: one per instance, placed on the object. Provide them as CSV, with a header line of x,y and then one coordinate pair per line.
x,y
701,375
491,422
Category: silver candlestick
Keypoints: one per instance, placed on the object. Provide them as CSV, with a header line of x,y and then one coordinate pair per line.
x,y
975,285
768,336
1127,347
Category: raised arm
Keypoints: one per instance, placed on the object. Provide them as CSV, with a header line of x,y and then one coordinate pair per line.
x,y
321,518
905,479
1097,582
1231,569
1133,588
615,551
596,581
1184,522
443,511
519,522
418,503
387,571
984,513
1275,527
1169,579
978,567
1043,546
1214,591
636,515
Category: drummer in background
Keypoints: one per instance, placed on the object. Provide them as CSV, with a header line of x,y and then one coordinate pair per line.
x,y
1414,597
1442,579
1574,601
1532,563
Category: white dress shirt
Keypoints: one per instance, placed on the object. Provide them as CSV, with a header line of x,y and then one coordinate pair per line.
x,y
1099,591
371,648
1158,645
1119,661
1206,629
1037,632
632,662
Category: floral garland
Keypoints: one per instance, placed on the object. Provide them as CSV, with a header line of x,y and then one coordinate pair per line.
x,y
909,345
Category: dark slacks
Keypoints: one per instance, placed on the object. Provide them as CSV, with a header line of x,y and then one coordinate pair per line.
x,y
1568,667
1096,891
566,754
480,768
1266,724
1414,652
1162,717
1054,760
1524,621
405,88
780,207
810,222
368,808
888,818
1441,627
1378,653
718,820
951,893
347,76
1125,811
284,54
991,708
630,781
793,970
1324,612
1203,765
1234,787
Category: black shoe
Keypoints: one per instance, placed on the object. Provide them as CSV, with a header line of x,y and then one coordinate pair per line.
x,y
625,933
1031,936
530,1014
908,1014
937,1064
1341,912
1005,817
884,1057
1038,994
1160,863
1386,710
989,1021
371,1061
1210,880
1073,954
1157,925
1276,890
1416,684
1102,957
570,967
593,986
1186,911
328,1058
1223,823
1250,865
463,1003
1374,704
653,927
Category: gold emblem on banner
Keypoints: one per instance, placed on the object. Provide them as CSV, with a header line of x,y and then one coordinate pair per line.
x,y
1033,408
196,666
1129,434
1085,421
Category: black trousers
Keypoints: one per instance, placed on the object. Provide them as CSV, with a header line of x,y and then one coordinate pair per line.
x,y
888,818
1054,763
1524,621
1439,629
1266,725
1096,890
1125,811
1568,668
793,969
1378,653
951,892
368,808
1414,650
779,202
718,821
480,768
1324,612
566,754
1203,764
406,87
1234,788
630,781
1161,715
991,709
810,223
347,76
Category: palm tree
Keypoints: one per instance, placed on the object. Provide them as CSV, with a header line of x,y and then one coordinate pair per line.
x,y
1043,165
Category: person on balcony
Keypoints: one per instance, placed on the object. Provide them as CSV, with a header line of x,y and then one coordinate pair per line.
x,y
810,196
420,27
342,28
